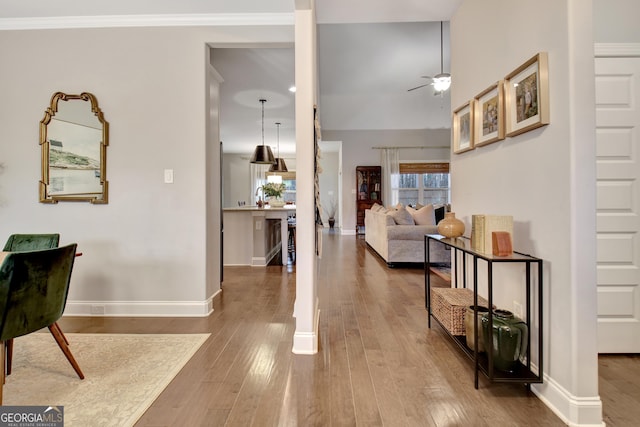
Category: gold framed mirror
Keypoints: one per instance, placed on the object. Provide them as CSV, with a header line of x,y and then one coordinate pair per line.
x,y
74,137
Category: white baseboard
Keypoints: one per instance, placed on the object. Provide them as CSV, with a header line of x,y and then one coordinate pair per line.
x,y
307,342
141,308
572,410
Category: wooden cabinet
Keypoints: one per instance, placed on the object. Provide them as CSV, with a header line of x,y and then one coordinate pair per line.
x,y
369,191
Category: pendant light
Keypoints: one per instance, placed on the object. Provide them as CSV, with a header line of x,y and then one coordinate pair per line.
x,y
262,154
442,81
279,165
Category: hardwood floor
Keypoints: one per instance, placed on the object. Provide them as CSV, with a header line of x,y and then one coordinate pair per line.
x,y
378,363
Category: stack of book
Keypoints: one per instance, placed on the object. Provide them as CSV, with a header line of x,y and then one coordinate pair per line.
x,y
482,227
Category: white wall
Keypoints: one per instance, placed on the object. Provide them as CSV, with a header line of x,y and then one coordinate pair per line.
x,y
616,21
357,151
145,252
329,179
236,172
544,178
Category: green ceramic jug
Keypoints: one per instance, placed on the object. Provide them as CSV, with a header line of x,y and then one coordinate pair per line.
x,y
509,340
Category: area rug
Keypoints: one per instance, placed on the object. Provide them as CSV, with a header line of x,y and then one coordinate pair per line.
x,y
124,374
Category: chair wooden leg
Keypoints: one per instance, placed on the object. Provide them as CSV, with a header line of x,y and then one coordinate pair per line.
x,y
60,330
8,344
60,339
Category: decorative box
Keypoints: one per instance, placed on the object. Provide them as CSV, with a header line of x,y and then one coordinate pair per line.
x,y
448,305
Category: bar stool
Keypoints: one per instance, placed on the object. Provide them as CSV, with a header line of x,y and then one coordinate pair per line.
x,y
291,246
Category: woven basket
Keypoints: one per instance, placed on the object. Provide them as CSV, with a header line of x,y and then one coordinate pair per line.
x,y
448,305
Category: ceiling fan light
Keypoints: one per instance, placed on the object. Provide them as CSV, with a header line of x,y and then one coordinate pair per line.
x,y
441,82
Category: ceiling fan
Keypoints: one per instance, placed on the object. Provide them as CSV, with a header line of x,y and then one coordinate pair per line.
x,y
441,81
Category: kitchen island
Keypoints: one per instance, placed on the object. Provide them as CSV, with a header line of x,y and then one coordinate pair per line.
x,y
254,236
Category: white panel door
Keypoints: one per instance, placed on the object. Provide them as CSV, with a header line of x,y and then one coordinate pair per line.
x,y
618,203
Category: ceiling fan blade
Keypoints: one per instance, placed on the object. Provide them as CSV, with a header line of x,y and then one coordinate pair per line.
x,y
418,87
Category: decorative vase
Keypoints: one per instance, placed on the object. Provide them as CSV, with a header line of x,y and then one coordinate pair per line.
x,y
451,226
468,326
276,202
509,337
332,222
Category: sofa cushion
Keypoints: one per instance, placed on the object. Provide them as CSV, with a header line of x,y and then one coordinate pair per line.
x,y
410,232
423,216
376,207
389,220
402,217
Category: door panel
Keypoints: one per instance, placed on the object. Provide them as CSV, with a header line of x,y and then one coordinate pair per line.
x,y
618,203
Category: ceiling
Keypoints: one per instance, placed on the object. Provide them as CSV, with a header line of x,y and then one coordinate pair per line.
x,y
369,51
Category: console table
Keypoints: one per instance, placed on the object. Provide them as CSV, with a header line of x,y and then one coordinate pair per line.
x,y
483,362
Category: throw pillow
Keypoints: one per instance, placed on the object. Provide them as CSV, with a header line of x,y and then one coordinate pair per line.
x,y
402,217
376,207
423,216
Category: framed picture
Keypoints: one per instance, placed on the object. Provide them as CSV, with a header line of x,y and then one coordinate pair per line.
x,y
527,96
462,128
488,115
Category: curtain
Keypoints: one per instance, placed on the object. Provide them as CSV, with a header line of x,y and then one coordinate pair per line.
x,y
390,161
258,178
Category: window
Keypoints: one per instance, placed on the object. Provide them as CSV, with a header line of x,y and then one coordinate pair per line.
x,y
289,180
290,192
424,183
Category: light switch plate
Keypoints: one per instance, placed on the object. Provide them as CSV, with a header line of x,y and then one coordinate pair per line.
x,y
168,176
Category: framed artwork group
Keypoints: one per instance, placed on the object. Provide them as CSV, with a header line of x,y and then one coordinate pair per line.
x,y
514,105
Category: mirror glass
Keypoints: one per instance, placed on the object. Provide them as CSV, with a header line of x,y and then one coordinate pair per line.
x,y
74,137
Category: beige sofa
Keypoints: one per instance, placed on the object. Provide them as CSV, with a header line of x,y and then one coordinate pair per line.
x,y
400,244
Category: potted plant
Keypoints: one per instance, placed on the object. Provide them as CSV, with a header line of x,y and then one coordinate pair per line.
x,y
330,210
274,192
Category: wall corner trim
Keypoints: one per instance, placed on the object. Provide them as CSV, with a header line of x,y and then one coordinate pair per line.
x,y
116,21
573,410
307,342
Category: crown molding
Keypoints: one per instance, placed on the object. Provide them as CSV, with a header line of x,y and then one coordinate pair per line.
x,y
617,49
117,21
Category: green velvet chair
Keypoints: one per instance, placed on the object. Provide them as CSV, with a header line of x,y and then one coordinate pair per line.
x,y
27,242
33,293
31,242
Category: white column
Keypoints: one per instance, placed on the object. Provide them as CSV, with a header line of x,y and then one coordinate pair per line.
x,y
305,339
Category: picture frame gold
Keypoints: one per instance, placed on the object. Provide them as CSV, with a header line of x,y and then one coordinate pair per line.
x,y
488,106
526,91
74,136
462,128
